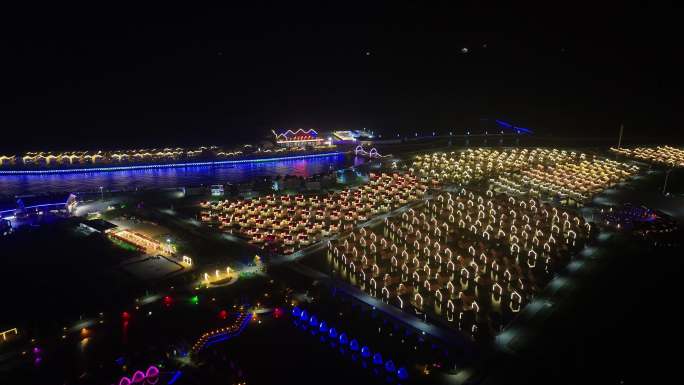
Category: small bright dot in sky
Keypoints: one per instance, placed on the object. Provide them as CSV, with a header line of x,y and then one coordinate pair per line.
x,y
464,50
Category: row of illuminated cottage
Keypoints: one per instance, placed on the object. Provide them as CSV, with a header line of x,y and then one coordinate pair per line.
x,y
101,157
454,252
49,158
294,220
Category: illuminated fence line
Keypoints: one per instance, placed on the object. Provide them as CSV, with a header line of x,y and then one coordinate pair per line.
x,y
169,165
222,334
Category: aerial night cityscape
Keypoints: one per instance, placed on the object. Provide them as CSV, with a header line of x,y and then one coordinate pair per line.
x,y
394,193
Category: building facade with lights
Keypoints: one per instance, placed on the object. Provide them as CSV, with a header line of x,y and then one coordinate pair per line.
x,y
298,138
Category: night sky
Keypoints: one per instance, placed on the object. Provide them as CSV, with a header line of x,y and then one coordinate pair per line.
x,y
118,78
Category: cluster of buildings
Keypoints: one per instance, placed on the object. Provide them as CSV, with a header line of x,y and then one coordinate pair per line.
x,y
569,176
138,241
569,182
286,222
475,165
464,256
661,155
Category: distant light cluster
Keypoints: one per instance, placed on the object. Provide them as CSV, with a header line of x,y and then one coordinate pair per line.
x,y
661,155
47,158
475,165
579,181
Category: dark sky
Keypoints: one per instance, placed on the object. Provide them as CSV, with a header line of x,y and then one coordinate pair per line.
x,y
111,77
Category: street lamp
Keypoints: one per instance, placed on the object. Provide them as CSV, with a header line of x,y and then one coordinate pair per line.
x,y
667,175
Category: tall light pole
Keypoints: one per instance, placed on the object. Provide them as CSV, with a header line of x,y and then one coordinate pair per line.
x,y
667,174
622,127
101,193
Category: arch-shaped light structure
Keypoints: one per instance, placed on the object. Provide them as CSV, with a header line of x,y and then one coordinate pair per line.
x,y
402,373
389,366
365,352
138,377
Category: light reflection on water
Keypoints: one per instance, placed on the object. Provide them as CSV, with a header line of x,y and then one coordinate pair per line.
x,y
166,177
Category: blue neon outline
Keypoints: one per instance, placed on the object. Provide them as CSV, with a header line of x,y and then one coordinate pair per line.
x,y
33,207
175,377
508,125
166,165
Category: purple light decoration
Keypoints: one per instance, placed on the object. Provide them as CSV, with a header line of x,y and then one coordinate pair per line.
x,y
151,375
138,377
152,371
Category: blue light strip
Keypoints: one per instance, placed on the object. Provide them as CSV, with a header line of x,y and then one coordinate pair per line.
x,y
228,335
175,377
169,165
508,125
33,207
